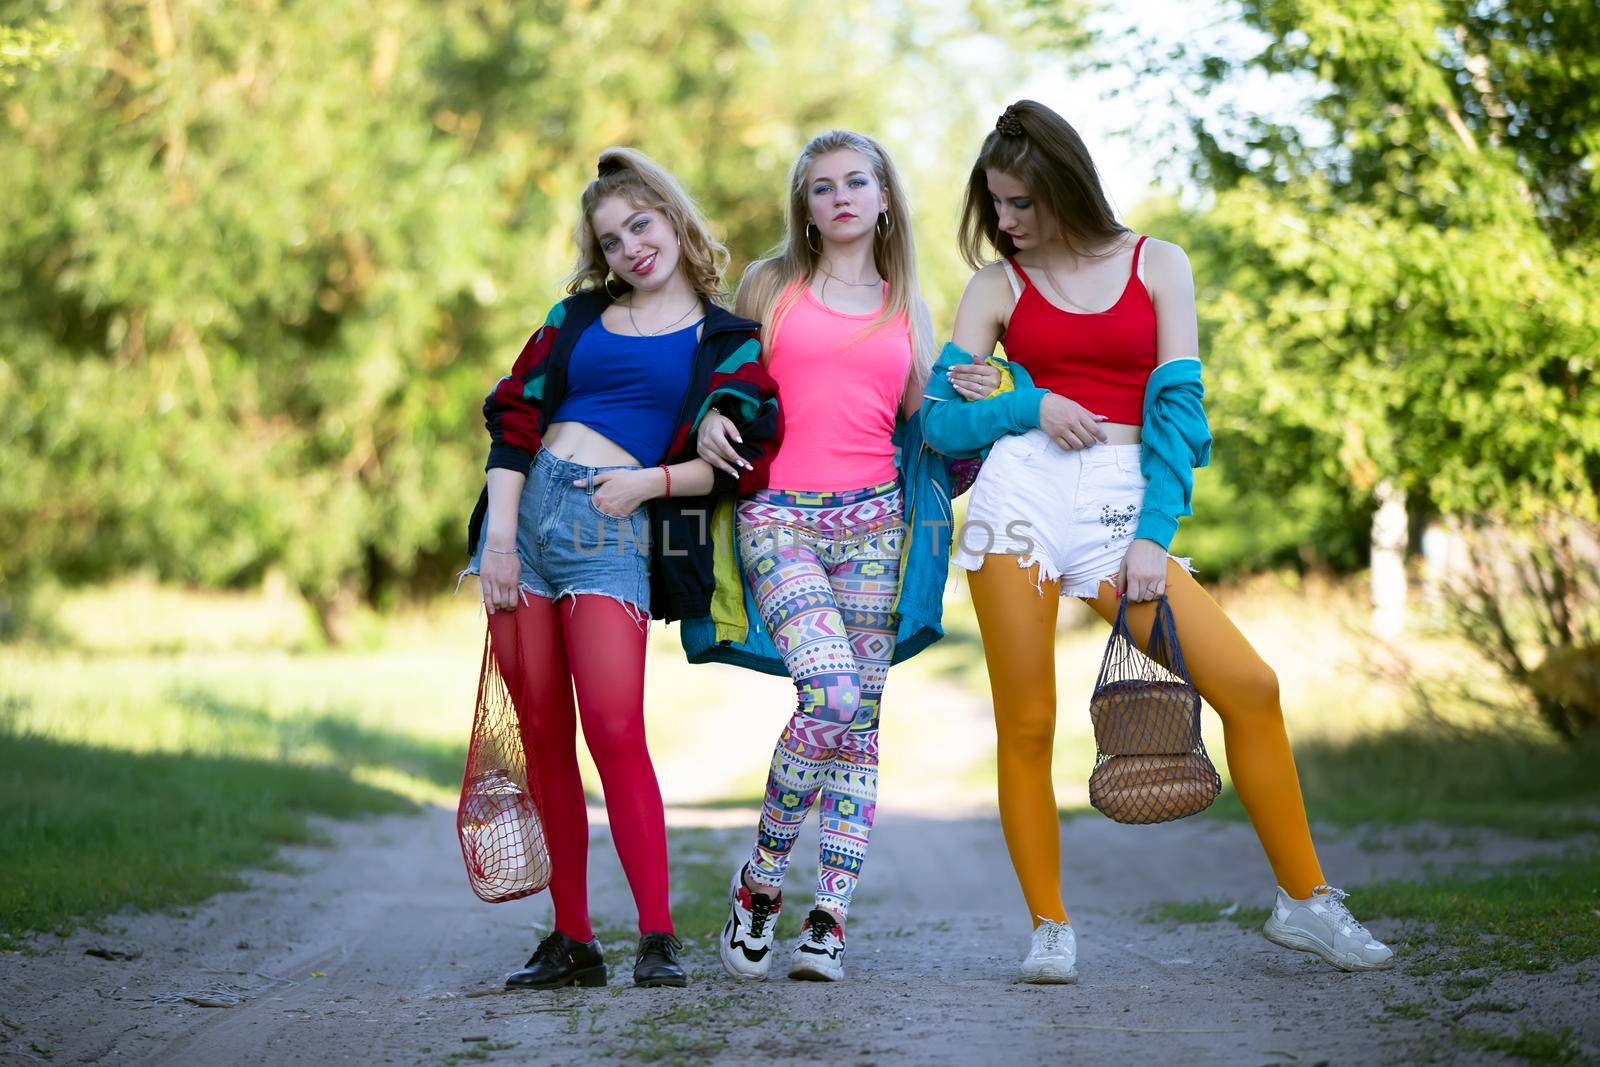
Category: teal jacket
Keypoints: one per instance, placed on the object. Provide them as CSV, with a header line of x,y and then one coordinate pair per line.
x,y
733,631
1175,437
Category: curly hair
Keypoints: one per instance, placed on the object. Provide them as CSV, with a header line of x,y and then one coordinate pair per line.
x,y
629,173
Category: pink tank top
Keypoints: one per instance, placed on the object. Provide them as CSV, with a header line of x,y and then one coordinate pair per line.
x,y
840,389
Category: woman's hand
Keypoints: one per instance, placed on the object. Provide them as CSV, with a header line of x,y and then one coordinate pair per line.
x,y
715,444
1143,574
1069,423
975,380
619,493
498,572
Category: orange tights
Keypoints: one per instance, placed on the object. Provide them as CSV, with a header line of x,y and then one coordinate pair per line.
x,y
1018,627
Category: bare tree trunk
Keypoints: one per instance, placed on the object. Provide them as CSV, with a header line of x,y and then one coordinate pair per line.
x,y
336,615
1389,537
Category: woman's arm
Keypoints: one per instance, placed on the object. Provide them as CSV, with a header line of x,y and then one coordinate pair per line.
x,y
499,569
618,493
917,379
512,408
1170,280
980,320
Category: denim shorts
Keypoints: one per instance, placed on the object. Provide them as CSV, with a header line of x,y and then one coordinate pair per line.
x,y
567,546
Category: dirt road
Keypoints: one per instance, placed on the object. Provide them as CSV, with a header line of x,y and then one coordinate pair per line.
x,y
374,952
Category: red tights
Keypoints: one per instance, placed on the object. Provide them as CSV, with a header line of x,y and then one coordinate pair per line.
x,y
591,643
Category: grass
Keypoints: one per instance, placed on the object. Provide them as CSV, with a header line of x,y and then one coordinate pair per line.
x,y
85,830
1531,918
1464,930
1504,781
479,1052
176,738
1530,1044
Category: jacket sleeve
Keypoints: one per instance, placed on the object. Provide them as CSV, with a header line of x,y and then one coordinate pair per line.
x,y
964,429
742,390
1176,439
511,410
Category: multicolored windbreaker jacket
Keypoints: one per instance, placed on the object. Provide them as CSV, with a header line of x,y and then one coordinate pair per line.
x,y
727,376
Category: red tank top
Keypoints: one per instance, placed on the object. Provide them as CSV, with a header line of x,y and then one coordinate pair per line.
x,y
1101,361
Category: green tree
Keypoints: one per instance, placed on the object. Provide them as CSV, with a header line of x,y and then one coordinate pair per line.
x,y
259,264
1400,282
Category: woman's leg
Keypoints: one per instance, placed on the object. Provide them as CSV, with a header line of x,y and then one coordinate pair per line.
x,y
865,588
527,645
797,603
606,645
1017,618
1235,681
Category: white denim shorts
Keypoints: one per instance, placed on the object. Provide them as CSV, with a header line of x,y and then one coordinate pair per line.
x,y
1071,511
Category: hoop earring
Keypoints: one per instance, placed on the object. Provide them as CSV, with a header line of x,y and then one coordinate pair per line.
x,y
606,285
884,230
809,228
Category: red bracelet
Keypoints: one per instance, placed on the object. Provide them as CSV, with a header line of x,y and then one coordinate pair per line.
x,y
668,473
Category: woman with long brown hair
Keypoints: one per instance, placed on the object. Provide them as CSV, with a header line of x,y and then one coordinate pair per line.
x,y
1089,471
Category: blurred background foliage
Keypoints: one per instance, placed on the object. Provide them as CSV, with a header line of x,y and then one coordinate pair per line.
x,y
259,262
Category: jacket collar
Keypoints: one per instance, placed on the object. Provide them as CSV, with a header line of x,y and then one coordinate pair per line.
x,y
585,307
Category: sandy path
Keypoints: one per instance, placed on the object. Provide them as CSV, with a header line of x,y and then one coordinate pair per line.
x,y
373,951
398,948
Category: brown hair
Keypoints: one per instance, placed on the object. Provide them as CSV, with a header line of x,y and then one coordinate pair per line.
x,y
772,285
629,173
1040,149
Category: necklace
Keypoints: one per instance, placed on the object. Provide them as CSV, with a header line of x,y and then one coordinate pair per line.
x,y
664,329
841,281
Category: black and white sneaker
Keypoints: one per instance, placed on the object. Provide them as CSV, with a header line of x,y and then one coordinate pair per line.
x,y
746,942
819,957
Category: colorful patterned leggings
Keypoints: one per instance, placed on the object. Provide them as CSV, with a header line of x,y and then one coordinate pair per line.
x,y
825,570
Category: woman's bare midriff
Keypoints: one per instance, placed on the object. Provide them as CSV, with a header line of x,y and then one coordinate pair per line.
x,y
577,443
1120,433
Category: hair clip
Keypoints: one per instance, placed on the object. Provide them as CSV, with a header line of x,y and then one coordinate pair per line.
x,y
1010,122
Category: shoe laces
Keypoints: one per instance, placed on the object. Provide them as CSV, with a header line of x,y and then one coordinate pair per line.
x,y
819,925
550,950
761,909
1333,899
660,943
1052,933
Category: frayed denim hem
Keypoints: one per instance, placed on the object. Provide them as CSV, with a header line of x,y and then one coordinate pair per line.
x,y
1086,590
639,615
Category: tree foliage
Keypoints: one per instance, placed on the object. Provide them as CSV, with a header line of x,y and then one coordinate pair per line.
x,y
1399,285
260,262
1402,279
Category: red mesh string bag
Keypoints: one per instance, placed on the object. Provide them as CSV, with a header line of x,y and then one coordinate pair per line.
x,y
1150,764
498,820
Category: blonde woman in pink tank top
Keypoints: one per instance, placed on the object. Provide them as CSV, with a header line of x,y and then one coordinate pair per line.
x,y
848,339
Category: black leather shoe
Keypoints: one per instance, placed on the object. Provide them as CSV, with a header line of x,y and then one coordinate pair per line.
x,y
657,962
560,961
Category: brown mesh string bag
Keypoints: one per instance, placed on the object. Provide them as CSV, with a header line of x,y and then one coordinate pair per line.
x,y
1150,764
498,820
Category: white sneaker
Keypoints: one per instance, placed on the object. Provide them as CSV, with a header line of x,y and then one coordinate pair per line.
x,y
819,957
746,942
1053,957
1322,924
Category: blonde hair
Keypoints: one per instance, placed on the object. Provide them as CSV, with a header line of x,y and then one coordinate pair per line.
x,y
772,285
629,173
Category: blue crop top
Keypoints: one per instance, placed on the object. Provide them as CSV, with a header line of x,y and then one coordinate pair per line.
x,y
629,389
